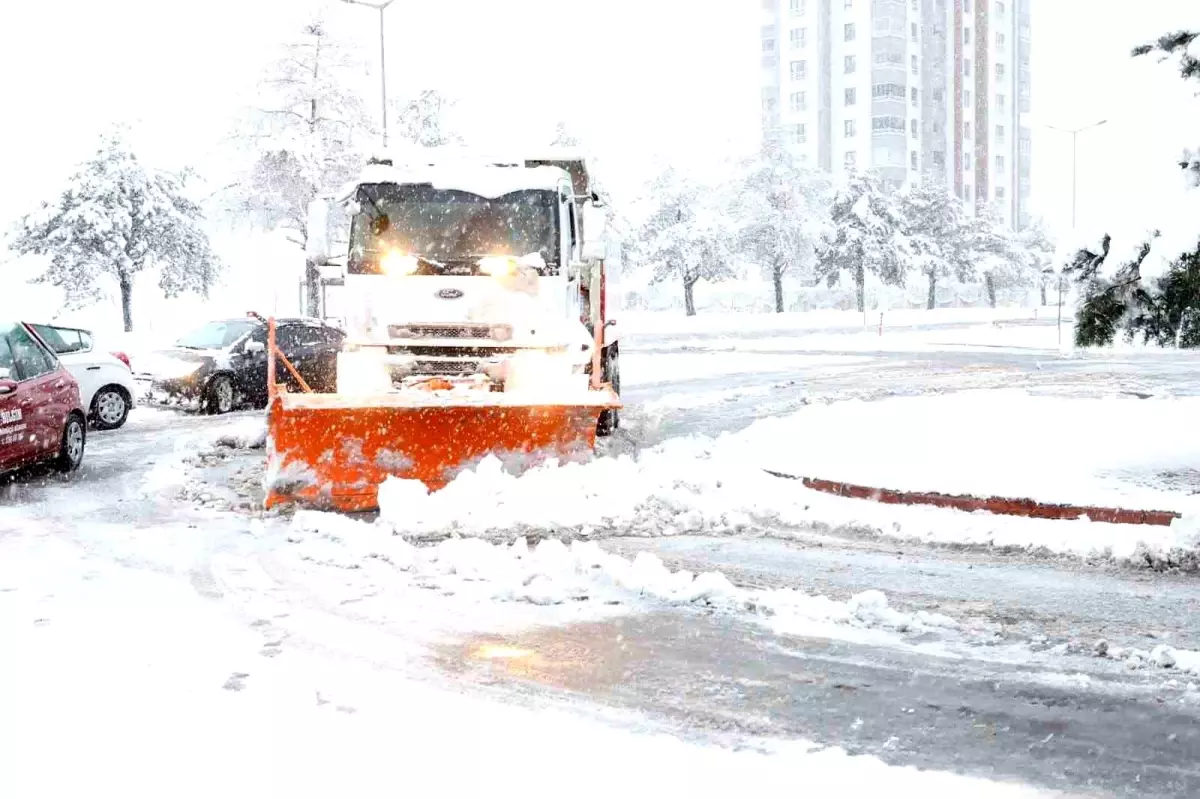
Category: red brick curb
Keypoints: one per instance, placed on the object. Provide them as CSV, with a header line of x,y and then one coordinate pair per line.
x,y
1001,505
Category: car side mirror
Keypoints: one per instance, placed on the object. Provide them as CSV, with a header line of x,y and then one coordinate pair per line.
x,y
254,347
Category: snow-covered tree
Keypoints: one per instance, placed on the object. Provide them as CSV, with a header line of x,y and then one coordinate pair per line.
x,y
939,235
1035,249
1148,287
309,133
563,136
687,236
116,219
865,236
992,247
424,120
778,208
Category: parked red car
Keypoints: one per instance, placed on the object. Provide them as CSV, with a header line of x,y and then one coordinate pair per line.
x,y
41,415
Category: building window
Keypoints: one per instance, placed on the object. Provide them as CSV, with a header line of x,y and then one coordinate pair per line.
x,y
967,131
967,67
1023,146
849,128
888,123
966,35
799,134
851,159
848,64
999,192
798,102
799,37
768,104
999,9
938,96
888,90
1000,133
849,4
967,192
999,72
914,5
914,31
913,126
914,65
999,38
966,99
799,70
999,102
912,159
966,6
848,32
798,8
914,95
966,162
851,96
999,163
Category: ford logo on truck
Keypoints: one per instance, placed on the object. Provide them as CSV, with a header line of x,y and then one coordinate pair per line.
x,y
449,294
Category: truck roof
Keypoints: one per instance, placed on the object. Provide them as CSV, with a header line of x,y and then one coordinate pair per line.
x,y
486,181
479,172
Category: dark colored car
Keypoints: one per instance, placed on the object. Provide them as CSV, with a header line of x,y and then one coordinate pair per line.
x,y
223,364
41,415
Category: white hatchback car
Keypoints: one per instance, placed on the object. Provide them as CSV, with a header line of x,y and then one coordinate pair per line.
x,y
106,385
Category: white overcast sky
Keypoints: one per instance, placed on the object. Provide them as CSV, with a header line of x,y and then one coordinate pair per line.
x,y
636,78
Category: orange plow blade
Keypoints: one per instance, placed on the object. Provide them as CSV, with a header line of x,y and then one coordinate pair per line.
x,y
333,451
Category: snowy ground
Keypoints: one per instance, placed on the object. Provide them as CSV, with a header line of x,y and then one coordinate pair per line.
x,y
670,605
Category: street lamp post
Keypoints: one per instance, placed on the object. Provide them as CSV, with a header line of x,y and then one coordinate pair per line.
x,y
381,6
1074,183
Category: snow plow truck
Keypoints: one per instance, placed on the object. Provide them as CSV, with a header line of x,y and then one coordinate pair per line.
x,y
476,295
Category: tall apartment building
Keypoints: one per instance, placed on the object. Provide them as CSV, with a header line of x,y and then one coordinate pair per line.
x,y
932,89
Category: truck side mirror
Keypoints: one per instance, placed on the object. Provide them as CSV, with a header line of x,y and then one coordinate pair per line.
x,y
595,226
317,248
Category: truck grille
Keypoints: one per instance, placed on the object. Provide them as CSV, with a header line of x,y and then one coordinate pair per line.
x,y
440,331
445,367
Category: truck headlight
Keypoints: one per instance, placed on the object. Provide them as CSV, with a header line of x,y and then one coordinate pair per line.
x,y
497,265
397,264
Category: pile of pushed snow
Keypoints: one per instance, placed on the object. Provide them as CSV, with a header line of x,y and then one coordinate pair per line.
x,y
717,485
552,572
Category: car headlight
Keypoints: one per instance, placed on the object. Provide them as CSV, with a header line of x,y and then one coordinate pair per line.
x,y
177,370
398,264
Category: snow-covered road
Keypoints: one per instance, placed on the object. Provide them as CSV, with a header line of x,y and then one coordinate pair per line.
x,y
146,599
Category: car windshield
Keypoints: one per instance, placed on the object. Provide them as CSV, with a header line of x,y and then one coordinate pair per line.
x,y
216,335
446,225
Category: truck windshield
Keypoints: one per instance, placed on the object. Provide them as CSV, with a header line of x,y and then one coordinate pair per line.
x,y
451,227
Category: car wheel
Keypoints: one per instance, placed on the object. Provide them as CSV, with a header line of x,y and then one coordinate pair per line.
x,y
220,395
110,408
610,420
74,439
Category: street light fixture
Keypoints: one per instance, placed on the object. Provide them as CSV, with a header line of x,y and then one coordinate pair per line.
x,y
381,6
1074,183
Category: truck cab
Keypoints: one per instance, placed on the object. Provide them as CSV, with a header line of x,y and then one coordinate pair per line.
x,y
489,271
